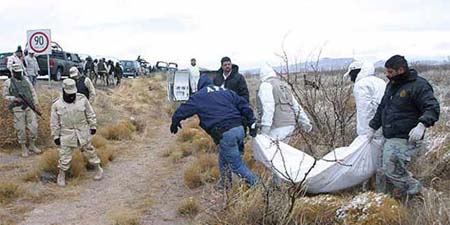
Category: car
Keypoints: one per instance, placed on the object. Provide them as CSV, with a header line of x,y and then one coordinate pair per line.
x,y
172,66
60,62
130,68
160,66
3,61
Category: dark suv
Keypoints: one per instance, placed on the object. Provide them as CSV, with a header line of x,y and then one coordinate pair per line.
x,y
130,68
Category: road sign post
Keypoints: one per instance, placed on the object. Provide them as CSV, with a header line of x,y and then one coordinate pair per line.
x,y
39,41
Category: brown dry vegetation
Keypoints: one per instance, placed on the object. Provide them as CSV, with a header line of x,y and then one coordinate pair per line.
x,y
120,114
203,170
188,207
263,205
120,131
8,192
8,135
125,217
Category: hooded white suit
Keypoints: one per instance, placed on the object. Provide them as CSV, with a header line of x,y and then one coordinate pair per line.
x,y
368,92
268,107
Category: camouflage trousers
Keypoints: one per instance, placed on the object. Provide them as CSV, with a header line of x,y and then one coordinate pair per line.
x,y
66,152
24,120
397,154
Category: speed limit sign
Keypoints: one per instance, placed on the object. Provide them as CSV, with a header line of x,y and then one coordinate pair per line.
x,y
39,41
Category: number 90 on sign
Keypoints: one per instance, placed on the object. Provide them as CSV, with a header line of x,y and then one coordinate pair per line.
x,y
39,42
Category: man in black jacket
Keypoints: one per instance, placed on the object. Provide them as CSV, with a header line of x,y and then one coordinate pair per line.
x,y
229,77
408,107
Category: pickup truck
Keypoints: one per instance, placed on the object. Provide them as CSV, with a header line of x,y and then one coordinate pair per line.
x,y
3,61
60,62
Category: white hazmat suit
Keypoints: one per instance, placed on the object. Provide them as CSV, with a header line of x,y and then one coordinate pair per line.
x,y
289,110
368,92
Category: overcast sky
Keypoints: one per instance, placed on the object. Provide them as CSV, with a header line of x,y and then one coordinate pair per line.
x,y
250,32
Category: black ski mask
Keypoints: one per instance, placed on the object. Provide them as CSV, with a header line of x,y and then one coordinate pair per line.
x,y
69,98
353,74
18,75
399,78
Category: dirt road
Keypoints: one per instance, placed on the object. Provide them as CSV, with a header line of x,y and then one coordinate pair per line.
x,y
141,181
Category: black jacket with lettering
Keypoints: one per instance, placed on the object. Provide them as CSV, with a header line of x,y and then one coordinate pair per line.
x,y
405,103
235,82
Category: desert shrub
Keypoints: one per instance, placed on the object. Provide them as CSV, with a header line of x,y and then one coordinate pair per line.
x,y
125,217
171,107
178,151
106,154
245,207
186,149
120,131
139,123
192,176
48,162
203,143
8,191
186,135
99,141
319,209
203,170
188,207
371,209
176,156
432,208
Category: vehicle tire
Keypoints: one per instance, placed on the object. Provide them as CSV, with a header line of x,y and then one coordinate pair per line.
x,y
58,74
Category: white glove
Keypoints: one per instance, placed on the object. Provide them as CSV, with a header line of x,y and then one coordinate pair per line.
x,y
416,133
370,134
307,127
265,130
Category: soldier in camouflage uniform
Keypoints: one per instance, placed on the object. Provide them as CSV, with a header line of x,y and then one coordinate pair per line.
x,y
408,107
24,117
73,122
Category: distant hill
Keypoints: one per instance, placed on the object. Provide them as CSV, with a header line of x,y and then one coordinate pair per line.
x,y
324,64
428,62
327,64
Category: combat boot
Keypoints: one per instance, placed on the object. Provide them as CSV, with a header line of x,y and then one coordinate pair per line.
x,y
61,181
34,149
25,151
98,172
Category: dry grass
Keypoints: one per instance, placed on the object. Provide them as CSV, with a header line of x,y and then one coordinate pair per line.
x,y
186,135
131,216
125,217
203,143
186,149
178,152
170,108
8,135
188,207
371,209
120,131
203,170
319,209
245,207
176,156
99,141
106,154
248,207
8,192
192,176
433,208
48,162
